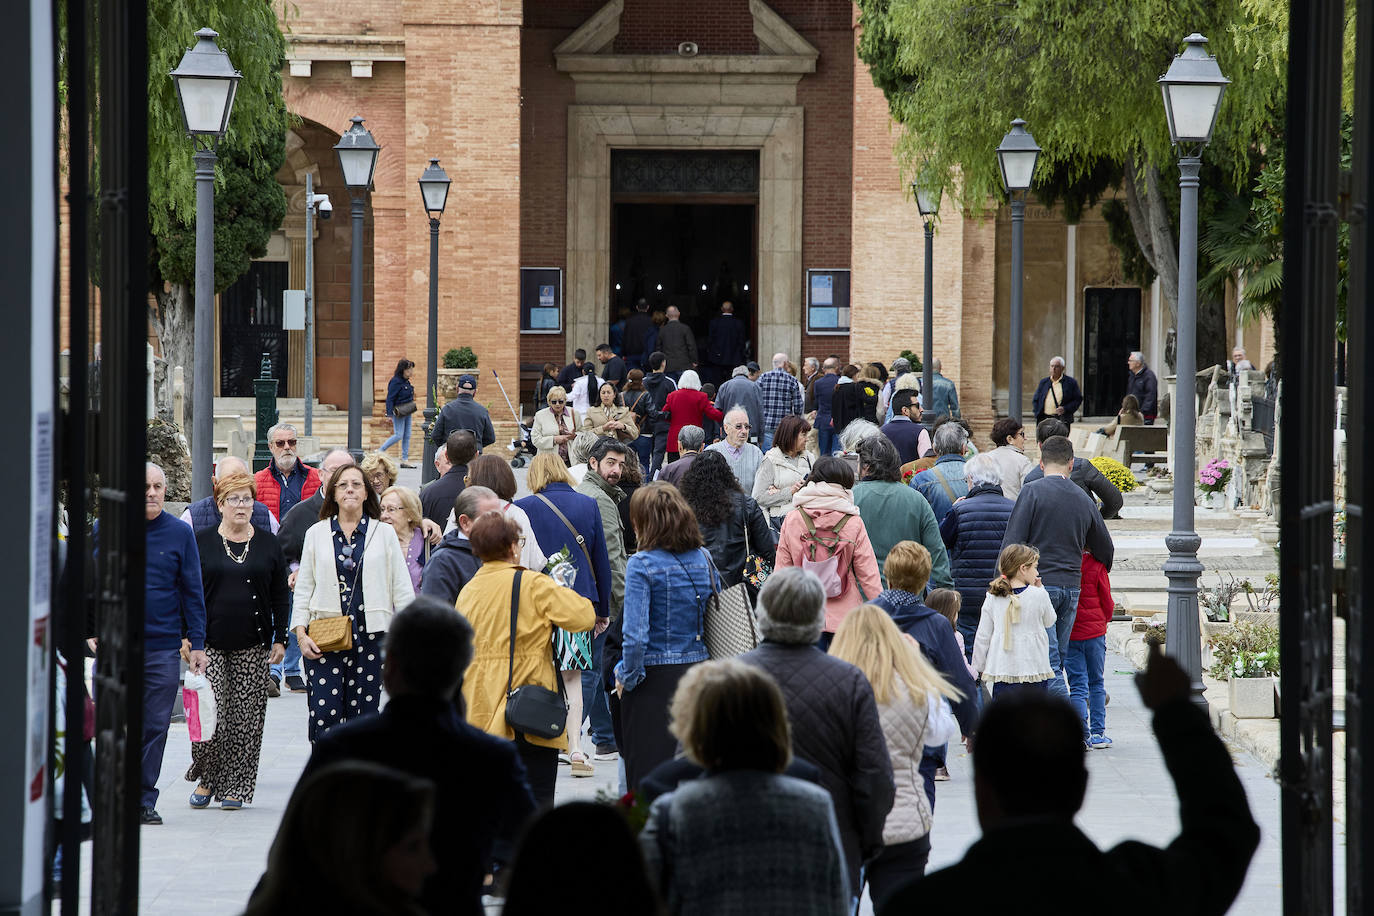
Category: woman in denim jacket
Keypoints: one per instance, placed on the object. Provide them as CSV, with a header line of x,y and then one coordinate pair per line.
x,y
667,585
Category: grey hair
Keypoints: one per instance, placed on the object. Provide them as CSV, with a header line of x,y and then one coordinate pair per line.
x,y
691,438
469,499
282,426
791,606
949,439
812,361
150,466
1058,360
738,408
1137,356
880,459
982,470
856,432
935,364
779,359
222,465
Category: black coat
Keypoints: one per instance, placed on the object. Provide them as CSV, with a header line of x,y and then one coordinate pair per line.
x,y
437,499
1145,386
482,797
1201,871
1093,482
725,342
291,534
451,565
857,400
726,540
1073,399
835,726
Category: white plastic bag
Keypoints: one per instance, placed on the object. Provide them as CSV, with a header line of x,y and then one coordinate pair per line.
x,y
199,698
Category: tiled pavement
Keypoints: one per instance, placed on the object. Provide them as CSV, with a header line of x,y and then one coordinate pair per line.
x,y
208,861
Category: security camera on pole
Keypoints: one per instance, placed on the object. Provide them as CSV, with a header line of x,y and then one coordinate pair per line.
x,y
206,83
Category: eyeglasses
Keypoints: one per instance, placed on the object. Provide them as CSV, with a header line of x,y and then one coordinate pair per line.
x,y
521,541
346,552
239,501
741,426
284,443
386,508
559,401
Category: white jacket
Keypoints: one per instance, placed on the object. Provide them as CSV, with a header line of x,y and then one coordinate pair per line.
x,y
909,726
1015,652
545,428
386,586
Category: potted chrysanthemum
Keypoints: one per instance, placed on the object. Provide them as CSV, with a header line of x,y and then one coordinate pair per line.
x,y
1212,481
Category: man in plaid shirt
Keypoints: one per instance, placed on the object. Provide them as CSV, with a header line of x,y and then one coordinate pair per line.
x,y
781,395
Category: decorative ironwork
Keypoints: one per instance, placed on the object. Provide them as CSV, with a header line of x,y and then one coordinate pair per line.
x,y
1307,329
684,172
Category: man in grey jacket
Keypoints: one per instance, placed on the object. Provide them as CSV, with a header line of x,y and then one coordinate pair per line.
x,y
463,412
605,462
834,718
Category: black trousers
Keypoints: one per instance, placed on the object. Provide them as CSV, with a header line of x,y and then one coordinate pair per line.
x,y
645,741
541,769
895,867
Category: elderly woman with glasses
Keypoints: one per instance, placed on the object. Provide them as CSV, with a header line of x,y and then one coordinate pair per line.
x,y
243,574
381,471
351,566
555,427
401,510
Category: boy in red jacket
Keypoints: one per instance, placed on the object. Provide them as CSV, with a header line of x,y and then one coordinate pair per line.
x,y
1087,657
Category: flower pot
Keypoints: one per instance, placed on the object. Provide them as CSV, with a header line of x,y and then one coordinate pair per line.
x,y
1251,697
1218,501
447,382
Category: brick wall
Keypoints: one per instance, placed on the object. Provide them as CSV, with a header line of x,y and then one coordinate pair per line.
x,y
658,26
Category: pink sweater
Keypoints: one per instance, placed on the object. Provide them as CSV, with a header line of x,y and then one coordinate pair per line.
x,y
827,503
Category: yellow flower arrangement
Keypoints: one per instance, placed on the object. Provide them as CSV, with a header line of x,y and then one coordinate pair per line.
x,y
1120,475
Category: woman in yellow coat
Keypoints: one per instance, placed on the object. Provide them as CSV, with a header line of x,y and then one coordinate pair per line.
x,y
543,604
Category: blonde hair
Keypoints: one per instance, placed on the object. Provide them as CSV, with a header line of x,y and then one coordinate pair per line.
x,y
731,716
557,391
907,566
870,641
380,461
1009,562
230,483
546,469
410,504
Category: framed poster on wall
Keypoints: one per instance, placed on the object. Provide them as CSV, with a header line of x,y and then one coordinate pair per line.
x,y
541,300
827,301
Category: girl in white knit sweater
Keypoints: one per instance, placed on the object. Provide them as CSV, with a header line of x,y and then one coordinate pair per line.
x,y
1012,647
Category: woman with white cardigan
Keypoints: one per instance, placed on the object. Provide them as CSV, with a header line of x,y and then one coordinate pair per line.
x,y
351,565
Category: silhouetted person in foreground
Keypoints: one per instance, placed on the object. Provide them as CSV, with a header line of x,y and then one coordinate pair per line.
x,y
1029,781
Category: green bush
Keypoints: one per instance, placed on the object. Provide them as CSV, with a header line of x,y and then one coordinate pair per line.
x,y
1249,649
460,358
916,364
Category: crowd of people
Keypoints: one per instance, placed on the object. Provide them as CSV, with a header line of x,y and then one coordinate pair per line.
x,y
900,578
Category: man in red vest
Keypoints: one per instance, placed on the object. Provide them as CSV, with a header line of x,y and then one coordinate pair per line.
x,y
287,480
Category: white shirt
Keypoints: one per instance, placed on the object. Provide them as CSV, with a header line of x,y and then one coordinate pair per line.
x,y
580,396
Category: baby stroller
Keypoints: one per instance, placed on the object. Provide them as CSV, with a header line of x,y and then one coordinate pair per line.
x,y
522,446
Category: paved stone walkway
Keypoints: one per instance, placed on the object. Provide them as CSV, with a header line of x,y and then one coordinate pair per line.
x,y
207,862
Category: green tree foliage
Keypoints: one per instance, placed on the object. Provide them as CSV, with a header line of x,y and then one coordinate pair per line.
x,y
1084,77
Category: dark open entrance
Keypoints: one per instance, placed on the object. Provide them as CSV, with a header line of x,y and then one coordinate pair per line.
x,y
1111,331
251,325
684,233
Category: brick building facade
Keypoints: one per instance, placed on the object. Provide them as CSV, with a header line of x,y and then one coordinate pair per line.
x,y
533,107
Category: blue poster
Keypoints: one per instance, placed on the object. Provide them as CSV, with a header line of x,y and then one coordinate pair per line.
x,y
822,289
546,297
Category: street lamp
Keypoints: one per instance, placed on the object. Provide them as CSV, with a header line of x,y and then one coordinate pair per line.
x,y
357,152
1016,159
434,184
927,191
1192,90
206,83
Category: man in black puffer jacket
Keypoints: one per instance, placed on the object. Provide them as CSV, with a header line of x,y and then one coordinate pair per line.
x,y
830,704
972,531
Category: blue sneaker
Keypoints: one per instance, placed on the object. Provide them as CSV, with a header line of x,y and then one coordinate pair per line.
x,y
1099,742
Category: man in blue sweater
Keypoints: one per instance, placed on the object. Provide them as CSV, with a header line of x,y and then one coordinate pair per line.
x,y
1057,518
174,607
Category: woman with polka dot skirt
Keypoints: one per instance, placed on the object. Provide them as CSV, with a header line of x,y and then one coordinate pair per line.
x,y
351,565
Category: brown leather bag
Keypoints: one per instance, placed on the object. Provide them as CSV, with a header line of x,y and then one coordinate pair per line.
x,y
332,634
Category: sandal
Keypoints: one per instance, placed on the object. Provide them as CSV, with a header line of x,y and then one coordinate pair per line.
x,y
200,799
580,766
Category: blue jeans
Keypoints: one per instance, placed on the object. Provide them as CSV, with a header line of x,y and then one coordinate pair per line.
x,y
400,433
161,681
594,698
1065,601
766,440
826,440
644,448
290,665
1085,663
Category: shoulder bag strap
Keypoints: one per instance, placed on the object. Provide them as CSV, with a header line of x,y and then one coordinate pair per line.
x,y
581,541
701,605
514,610
949,491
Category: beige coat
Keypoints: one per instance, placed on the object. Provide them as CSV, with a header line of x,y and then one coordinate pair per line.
x,y
546,427
598,417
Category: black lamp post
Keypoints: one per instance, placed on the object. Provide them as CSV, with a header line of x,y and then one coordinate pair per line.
x,y
1016,158
357,152
434,184
1192,90
206,83
927,193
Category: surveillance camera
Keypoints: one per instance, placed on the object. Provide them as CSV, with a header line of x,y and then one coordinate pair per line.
x,y
326,209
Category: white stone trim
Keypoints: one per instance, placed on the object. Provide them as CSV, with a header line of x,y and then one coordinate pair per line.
x,y
776,36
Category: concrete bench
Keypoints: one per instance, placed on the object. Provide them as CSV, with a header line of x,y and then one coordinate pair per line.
x,y
1151,442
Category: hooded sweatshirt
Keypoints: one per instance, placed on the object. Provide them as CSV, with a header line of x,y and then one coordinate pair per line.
x,y
451,565
827,504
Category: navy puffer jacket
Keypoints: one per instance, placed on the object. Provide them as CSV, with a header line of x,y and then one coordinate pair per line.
x,y
972,531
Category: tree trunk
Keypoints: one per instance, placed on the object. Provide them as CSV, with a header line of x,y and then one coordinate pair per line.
x,y
175,327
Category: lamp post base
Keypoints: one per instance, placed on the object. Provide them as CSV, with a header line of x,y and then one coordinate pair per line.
x,y
427,471
1183,633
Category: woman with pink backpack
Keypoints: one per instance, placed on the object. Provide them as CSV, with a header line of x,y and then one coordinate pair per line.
x,y
825,535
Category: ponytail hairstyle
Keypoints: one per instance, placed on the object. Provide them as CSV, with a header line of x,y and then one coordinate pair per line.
x,y
1011,559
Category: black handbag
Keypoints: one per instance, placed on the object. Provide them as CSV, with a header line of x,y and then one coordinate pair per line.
x,y
530,708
